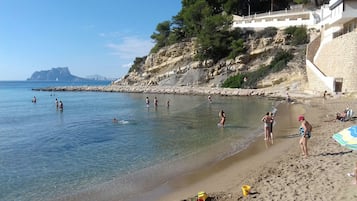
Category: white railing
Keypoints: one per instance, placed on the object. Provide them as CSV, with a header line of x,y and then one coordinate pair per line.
x,y
278,19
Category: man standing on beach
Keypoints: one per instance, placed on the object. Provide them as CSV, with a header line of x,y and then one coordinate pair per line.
x,y
305,133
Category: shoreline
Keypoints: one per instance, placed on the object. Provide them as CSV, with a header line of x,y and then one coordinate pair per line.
x,y
277,173
277,92
280,172
218,177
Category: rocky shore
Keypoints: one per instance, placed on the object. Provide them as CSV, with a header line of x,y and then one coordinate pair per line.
x,y
277,92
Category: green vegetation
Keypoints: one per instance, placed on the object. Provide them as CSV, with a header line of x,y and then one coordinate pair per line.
x,y
250,79
298,34
266,33
138,62
301,1
237,48
210,22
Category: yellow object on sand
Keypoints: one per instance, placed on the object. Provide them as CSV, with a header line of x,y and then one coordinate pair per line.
x,y
246,190
202,196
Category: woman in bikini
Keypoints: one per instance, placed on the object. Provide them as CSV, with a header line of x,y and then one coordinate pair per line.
x,y
222,115
267,119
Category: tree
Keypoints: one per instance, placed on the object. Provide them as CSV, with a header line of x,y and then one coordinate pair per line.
x,y
161,36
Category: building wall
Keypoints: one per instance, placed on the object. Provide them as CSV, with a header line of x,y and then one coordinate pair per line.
x,y
312,48
314,82
338,58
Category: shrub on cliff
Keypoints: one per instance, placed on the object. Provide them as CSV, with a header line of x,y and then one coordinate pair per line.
x,y
298,35
266,33
138,63
250,79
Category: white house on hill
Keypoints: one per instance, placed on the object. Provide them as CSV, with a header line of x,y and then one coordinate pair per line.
x,y
331,59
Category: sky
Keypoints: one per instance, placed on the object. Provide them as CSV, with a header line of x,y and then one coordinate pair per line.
x,y
90,37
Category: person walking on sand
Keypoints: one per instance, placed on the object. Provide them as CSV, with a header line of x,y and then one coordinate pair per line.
x,y
305,133
222,115
267,119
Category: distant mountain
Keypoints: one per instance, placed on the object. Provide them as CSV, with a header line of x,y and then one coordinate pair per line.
x,y
56,74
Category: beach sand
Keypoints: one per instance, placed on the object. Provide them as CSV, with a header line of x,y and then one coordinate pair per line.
x,y
278,171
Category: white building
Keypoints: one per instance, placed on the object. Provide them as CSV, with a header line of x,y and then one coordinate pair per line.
x,y
331,58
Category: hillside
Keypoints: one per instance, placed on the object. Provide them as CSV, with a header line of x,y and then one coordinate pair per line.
x,y
175,65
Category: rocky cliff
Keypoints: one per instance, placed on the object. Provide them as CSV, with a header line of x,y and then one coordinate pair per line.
x,y
56,74
175,65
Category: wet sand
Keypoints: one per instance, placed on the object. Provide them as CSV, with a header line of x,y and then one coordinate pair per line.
x,y
278,171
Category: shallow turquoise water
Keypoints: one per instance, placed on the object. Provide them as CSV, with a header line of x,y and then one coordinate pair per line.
x,y
46,153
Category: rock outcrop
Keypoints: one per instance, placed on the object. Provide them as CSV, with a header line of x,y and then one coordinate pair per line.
x,y
176,66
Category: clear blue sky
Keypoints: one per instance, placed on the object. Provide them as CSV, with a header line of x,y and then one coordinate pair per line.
x,y
87,36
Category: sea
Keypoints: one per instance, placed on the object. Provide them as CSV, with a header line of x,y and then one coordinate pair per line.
x,y
80,153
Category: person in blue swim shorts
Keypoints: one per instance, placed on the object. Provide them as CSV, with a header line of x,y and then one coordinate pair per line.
x,y
305,133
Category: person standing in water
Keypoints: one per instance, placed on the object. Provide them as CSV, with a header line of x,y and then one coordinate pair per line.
x,y
60,105
222,115
209,98
267,126
147,101
271,124
156,101
56,102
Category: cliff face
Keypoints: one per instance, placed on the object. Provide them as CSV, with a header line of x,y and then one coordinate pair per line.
x,y
55,74
175,65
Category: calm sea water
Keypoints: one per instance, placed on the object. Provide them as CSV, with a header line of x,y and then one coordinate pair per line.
x,y
80,154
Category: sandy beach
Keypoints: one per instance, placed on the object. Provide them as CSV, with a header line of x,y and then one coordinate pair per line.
x,y
278,171
275,171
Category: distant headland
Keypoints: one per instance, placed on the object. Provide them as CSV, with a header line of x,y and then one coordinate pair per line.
x,y
61,74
